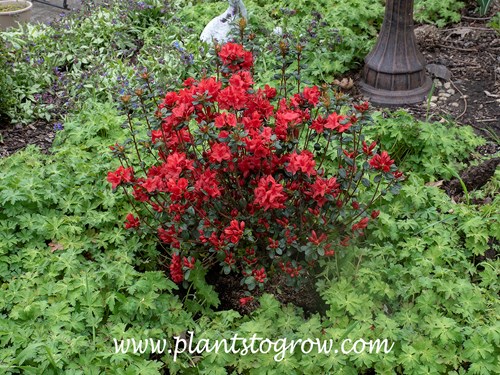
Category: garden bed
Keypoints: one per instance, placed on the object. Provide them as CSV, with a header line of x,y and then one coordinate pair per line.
x,y
88,267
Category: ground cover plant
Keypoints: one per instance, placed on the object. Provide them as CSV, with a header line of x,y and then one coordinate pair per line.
x,y
73,278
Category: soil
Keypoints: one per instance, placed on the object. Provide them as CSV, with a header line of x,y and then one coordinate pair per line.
x,y
230,291
473,178
16,137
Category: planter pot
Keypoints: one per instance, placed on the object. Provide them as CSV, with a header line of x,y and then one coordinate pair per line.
x,y
13,12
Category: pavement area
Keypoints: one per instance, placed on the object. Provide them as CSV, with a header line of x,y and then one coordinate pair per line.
x,y
50,10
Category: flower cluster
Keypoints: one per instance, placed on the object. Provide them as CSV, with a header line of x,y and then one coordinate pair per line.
x,y
255,181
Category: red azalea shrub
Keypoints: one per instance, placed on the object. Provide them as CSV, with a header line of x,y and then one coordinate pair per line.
x,y
257,183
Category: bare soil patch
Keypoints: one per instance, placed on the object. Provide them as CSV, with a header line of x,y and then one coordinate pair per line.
x,y
16,137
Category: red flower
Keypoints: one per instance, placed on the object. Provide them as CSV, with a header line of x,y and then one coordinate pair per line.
x,y
259,144
120,175
337,122
233,98
152,184
362,224
257,103
398,175
287,117
245,300
242,80
235,57
234,231
329,251
139,194
170,100
269,194
177,188
225,119
273,244
303,162
219,152
363,107
223,134
176,269
169,237
189,262
229,260
382,162
367,150
131,222
270,92
313,238
259,275
175,164
375,214
206,185
322,187
208,89
319,124
252,122
189,82
312,94
182,112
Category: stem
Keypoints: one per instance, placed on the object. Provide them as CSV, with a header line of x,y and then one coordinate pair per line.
x,y
326,150
135,142
298,69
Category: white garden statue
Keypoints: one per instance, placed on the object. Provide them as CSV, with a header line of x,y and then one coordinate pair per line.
x,y
220,27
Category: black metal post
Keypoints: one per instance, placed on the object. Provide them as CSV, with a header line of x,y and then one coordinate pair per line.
x,y
64,6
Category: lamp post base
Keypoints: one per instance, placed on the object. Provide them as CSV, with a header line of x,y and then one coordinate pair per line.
x,y
398,97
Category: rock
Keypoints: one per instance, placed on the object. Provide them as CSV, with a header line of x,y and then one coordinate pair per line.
x,y
278,31
451,92
447,85
454,104
439,71
437,83
427,34
220,27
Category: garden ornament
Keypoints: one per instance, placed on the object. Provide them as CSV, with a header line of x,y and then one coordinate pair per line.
x,y
394,72
220,27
